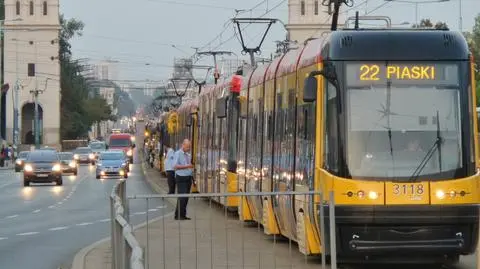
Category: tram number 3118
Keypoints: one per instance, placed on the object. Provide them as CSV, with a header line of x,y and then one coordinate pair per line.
x,y
408,189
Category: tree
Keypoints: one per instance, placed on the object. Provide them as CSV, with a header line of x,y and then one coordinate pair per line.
x,y
427,24
80,107
473,40
123,103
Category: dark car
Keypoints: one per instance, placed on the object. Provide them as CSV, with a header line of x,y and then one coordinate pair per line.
x,y
69,165
42,166
22,156
84,155
97,147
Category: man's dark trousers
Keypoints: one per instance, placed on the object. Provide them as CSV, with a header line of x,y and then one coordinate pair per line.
x,y
171,181
183,186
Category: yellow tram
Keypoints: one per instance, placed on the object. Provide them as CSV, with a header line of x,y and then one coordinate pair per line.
x,y
386,119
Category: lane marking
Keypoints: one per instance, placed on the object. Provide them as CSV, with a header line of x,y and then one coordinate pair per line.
x,y
58,228
36,211
84,224
11,217
6,184
3,238
60,203
153,210
30,233
104,220
162,206
140,213
52,206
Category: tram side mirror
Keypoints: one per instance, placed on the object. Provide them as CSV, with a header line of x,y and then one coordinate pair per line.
x,y
310,89
311,82
221,107
189,120
133,146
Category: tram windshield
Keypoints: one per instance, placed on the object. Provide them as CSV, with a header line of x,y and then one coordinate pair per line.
x,y
395,122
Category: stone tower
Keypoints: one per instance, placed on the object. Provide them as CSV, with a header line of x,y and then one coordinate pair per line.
x,y
308,18
31,64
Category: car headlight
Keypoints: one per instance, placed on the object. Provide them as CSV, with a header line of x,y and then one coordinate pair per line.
x,y
91,156
124,164
72,164
56,168
28,168
99,164
75,156
129,152
19,162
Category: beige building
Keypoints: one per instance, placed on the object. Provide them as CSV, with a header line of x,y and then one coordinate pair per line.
x,y
307,19
32,65
106,70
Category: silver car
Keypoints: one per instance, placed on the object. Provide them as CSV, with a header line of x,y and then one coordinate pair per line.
x,y
111,163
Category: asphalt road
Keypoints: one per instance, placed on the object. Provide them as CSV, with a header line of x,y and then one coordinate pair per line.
x,y
43,226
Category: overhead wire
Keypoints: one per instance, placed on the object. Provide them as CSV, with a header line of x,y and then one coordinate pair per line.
x,y
228,23
265,13
352,8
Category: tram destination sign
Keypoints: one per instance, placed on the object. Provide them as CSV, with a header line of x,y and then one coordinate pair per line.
x,y
402,73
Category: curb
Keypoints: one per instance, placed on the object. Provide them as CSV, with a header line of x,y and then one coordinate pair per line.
x,y
79,259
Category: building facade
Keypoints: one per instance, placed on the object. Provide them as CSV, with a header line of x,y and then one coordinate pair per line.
x,y
308,19
106,70
31,65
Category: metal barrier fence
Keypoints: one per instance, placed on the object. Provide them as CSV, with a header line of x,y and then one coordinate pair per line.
x,y
126,251
215,237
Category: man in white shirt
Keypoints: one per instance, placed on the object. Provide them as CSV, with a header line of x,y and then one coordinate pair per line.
x,y
183,176
170,170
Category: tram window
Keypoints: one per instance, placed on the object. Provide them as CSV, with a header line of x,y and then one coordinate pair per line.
x,y
331,142
473,139
269,127
279,117
255,128
240,129
305,118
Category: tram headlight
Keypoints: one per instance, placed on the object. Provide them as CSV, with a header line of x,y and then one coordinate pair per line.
x,y
440,194
372,195
360,194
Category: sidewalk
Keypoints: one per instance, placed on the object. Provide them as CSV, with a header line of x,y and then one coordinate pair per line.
x,y
212,239
10,166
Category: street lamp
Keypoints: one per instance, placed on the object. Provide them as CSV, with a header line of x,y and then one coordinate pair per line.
x,y
416,3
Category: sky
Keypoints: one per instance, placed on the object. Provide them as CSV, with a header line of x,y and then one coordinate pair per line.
x,y
144,36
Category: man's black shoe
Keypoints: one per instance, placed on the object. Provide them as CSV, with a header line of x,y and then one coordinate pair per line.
x,y
182,218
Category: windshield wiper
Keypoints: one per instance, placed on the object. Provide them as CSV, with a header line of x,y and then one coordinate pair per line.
x,y
436,145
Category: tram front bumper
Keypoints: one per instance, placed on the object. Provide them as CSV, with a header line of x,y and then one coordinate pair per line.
x,y
376,230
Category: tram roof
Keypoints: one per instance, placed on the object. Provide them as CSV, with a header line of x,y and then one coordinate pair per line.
x,y
414,45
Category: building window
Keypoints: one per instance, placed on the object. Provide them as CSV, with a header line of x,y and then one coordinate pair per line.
x,y
45,8
302,7
31,7
316,7
31,70
17,7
